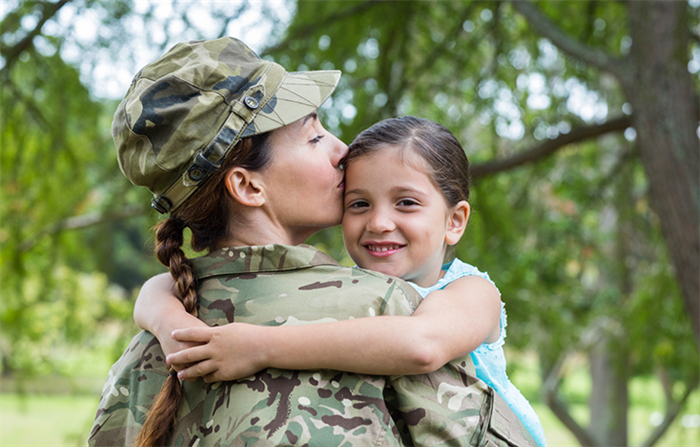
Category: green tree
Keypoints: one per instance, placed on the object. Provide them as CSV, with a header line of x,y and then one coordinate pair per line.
x,y
573,236
66,210
58,174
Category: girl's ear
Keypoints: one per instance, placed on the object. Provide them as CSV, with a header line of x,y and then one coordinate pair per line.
x,y
457,222
245,187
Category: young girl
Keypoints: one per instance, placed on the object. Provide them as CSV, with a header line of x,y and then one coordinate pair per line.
x,y
405,205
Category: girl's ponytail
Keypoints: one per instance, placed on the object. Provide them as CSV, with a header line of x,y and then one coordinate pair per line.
x,y
163,415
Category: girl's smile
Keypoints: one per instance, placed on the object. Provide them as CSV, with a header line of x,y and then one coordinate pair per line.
x,y
382,249
396,221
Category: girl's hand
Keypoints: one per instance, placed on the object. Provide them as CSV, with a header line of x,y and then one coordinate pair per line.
x,y
177,321
227,352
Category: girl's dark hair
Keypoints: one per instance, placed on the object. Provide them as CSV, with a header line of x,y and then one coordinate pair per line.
x,y
207,213
433,142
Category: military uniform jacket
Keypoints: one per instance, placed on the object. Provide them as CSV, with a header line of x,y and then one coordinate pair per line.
x,y
282,285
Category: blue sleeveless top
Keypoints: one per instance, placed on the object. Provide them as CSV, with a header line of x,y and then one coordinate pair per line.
x,y
488,358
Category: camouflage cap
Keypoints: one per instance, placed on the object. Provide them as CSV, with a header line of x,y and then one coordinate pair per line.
x,y
185,111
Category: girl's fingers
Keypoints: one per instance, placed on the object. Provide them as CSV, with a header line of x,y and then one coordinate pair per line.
x,y
197,370
192,334
215,376
187,356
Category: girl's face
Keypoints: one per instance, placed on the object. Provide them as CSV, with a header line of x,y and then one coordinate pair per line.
x,y
396,221
304,184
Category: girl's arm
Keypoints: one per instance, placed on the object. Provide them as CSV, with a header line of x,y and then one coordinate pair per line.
x,y
158,311
449,323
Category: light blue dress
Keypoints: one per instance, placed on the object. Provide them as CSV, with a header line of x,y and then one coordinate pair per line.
x,y
489,360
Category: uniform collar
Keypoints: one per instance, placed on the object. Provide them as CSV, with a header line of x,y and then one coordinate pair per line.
x,y
258,259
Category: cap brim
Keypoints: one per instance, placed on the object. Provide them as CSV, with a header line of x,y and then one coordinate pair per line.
x,y
299,94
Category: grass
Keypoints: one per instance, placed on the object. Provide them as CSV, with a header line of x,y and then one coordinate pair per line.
x,y
46,419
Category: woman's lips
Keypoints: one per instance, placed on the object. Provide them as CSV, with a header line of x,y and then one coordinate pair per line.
x,y
382,250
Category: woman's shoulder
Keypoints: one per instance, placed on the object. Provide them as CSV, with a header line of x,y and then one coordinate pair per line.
x,y
260,259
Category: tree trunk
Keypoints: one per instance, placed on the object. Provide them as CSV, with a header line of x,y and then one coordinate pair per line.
x,y
609,397
659,87
657,83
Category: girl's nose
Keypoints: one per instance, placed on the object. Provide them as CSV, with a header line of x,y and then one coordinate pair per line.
x,y
380,222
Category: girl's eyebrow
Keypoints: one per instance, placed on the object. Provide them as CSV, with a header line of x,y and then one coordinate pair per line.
x,y
403,189
396,189
355,191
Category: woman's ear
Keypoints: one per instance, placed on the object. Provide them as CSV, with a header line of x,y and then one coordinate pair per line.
x,y
457,222
245,187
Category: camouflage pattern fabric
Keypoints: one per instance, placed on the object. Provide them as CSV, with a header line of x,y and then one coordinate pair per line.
x,y
185,111
284,285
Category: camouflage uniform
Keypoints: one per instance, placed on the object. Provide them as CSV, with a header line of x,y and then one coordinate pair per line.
x,y
285,285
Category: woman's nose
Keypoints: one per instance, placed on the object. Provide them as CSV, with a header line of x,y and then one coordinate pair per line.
x,y
340,151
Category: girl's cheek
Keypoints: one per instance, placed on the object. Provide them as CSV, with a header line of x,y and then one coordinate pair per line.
x,y
350,227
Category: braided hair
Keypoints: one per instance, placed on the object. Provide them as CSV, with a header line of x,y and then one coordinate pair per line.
x,y
207,213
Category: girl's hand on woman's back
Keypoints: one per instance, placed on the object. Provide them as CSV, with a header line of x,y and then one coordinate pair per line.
x,y
173,322
228,352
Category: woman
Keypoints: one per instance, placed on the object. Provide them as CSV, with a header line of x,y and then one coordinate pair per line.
x,y
232,148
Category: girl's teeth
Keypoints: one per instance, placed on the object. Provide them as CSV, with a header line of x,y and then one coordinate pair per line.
x,y
383,248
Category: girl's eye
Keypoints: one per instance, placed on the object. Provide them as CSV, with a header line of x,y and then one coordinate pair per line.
x,y
407,202
317,139
358,204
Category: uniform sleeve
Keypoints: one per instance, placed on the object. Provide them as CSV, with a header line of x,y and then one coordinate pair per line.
x,y
440,407
451,406
128,393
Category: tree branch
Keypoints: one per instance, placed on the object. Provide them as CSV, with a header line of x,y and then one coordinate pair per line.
x,y
550,146
434,55
550,389
32,108
673,408
230,16
321,22
80,222
12,53
545,27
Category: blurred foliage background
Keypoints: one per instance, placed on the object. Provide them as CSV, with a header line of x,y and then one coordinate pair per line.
x,y
580,120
